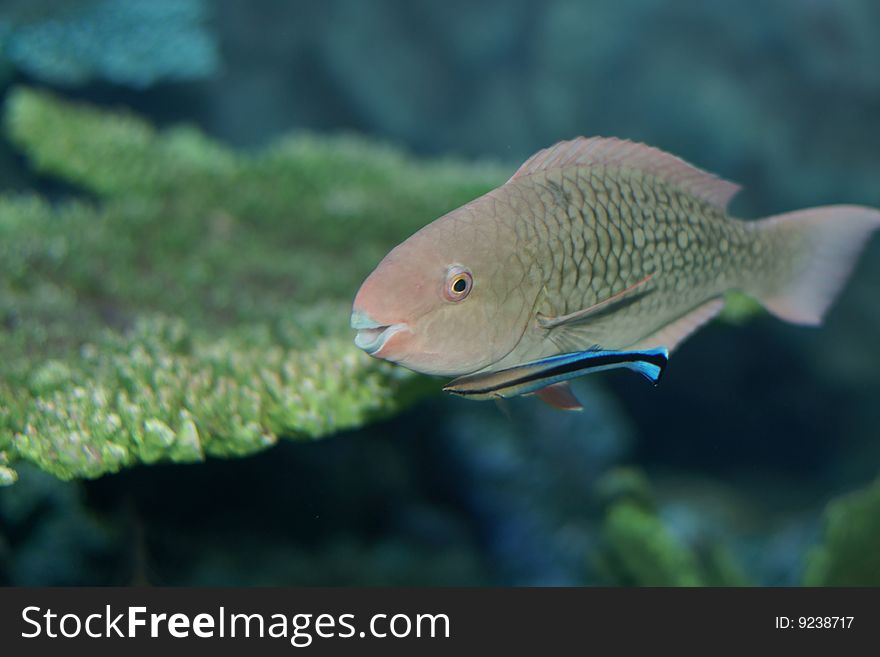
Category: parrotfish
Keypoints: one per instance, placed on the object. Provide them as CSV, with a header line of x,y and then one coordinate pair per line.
x,y
597,252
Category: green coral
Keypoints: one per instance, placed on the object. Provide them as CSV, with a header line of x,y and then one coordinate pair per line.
x,y
646,553
199,305
639,548
850,553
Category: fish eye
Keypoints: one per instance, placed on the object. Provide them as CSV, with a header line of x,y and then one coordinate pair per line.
x,y
458,283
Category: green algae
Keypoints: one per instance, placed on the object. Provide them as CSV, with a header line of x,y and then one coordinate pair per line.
x,y
197,304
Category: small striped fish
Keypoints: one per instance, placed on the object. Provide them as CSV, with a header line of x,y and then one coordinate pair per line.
x,y
545,376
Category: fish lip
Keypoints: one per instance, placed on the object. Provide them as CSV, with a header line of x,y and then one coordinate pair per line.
x,y
372,335
373,339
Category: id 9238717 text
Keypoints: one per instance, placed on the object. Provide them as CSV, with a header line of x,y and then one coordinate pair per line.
x,y
814,622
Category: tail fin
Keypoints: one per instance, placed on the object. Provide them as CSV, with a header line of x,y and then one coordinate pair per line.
x,y
814,252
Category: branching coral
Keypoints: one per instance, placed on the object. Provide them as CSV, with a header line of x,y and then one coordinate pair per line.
x,y
200,305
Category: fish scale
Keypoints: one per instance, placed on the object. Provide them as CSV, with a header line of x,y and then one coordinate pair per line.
x,y
596,212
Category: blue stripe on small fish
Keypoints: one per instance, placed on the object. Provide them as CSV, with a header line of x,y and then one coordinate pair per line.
x,y
533,376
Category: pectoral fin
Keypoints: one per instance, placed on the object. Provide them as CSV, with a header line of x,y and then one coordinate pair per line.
x,y
585,328
586,313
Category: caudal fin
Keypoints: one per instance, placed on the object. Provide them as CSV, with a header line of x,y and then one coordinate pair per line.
x,y
813,253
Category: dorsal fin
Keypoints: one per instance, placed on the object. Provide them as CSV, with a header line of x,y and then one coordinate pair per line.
x,y
613,152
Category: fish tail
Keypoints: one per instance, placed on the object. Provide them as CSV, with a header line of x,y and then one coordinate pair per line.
x,y
808,256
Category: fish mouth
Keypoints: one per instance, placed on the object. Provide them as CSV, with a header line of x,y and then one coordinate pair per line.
x,y
372,336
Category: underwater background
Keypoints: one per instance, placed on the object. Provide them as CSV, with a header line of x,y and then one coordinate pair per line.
x,y
192,191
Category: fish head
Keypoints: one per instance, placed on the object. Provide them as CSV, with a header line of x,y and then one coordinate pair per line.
x,y
441,303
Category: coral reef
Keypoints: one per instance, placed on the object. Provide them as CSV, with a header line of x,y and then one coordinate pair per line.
x,y
165,299
199,306
645,552
641,545
848,556
127,42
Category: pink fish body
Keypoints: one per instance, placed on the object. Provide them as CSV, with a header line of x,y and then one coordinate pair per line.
x,y
595,243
